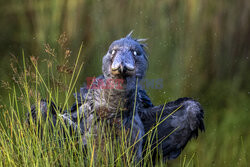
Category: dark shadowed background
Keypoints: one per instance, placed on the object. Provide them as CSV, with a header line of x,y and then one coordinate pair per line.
x,y
200,49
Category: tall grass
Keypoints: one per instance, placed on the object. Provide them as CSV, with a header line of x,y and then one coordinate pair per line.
x,y
23,145
42,143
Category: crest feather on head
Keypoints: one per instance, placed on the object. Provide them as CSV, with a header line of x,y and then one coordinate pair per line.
x,y
130,34
137,40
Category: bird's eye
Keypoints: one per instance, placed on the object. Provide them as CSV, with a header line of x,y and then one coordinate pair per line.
x,y
135,53
113,52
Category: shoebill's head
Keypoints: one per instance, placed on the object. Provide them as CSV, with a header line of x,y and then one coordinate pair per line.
x,y
126,58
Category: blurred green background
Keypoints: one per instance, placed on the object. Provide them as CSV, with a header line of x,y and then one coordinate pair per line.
x,y
199,48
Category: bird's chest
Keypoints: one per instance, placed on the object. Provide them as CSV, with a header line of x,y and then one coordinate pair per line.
x,y
109,104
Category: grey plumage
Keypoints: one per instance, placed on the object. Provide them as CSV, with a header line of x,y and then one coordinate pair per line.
x,y
184,117
127,61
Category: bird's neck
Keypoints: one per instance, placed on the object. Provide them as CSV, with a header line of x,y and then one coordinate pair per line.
x,y
122,94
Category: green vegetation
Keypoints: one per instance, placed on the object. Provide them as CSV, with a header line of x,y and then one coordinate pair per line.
x,y
41,143
199,48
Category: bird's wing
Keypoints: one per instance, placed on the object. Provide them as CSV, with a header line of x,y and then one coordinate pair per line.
x,y
46,108
178,122
145,100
